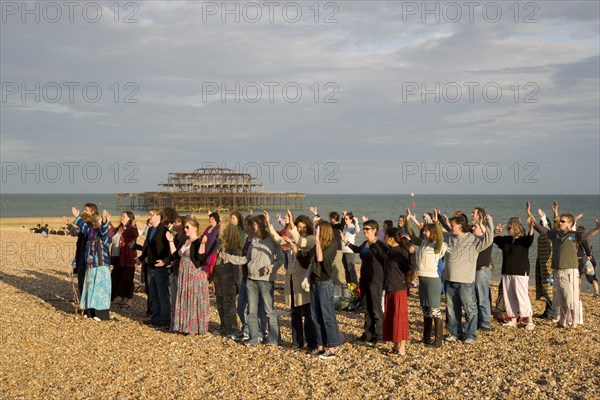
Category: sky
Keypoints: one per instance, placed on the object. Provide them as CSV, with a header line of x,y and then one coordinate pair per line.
x,y
308,96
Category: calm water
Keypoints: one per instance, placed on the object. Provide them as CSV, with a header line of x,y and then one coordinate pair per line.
x,y
378,207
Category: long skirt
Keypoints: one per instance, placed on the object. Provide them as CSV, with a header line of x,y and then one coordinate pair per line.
x,y
395,317
122,281
96,289
516,296
192,310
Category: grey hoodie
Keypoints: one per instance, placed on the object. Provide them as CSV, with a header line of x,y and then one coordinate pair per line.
x,y
461,256
261,253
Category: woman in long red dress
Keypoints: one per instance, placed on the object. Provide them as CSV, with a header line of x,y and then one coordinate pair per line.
x,y
398,271
123,259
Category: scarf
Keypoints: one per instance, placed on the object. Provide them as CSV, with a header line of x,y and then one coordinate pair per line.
x,y
94,250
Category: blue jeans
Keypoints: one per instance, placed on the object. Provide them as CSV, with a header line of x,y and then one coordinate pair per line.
x,y
262,290
159,296
459,295
242,312
482,293
322,313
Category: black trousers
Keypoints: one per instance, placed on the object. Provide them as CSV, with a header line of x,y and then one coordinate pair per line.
x,y
302,324
102,314
371,300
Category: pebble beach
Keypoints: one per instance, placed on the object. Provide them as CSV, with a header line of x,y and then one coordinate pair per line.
x,y
47,352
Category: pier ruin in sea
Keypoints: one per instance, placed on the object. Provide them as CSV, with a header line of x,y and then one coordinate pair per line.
x,y
210,189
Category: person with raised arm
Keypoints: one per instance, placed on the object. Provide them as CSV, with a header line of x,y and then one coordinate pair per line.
x,y
89,211
398,274
351,228
459,275
123,259
302,242
320,285
372,254
264,258
565,243
224,280
210,238
242,303
95,297
482,275
543,270
431,248
515,269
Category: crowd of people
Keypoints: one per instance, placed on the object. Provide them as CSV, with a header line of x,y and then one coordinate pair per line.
x,y
443,256
45,230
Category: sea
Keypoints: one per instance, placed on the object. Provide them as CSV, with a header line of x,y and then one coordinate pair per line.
x,y
379,207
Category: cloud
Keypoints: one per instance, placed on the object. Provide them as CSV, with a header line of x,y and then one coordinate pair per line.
x,y
155,75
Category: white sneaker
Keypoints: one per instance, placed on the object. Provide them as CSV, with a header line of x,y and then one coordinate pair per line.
x,y
327,355
451,339
530,326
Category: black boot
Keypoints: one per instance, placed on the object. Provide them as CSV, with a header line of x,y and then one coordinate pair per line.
x,y
427,325
437,341
550,311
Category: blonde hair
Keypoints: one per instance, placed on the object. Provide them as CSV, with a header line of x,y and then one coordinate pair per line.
x,y
517,226
568,217
230,238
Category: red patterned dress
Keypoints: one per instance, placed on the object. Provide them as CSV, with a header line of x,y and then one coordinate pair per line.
x,y
192,310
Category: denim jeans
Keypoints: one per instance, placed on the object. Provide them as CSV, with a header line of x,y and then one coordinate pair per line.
x,y
459,295
322,313
482,293
159,296
243,310
262,290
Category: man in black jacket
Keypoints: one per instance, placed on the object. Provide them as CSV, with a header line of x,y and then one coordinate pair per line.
x,y
157,256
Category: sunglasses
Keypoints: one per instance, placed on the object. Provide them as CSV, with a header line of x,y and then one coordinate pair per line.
x,y
367,229
562,221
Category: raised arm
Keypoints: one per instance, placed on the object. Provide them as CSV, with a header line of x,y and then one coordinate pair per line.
x,y
104,225
303,243
318,249
591,233
272,232
439,236
83,227
411,233
488,234
171,241
445,222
